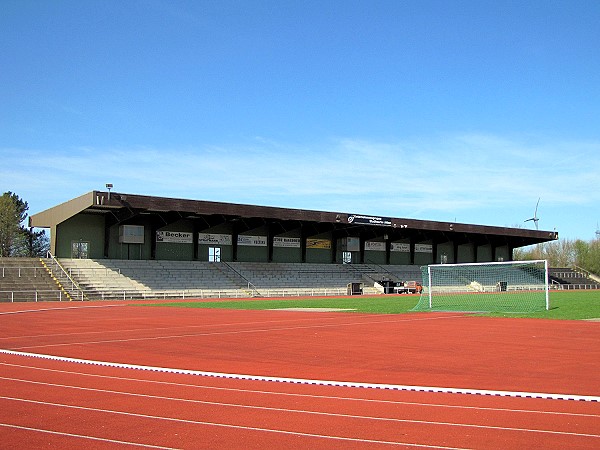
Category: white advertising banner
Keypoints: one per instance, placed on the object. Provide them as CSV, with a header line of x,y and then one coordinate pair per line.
x,y
252,241
176,237
376,246
423,248
215,239
403,247
288,242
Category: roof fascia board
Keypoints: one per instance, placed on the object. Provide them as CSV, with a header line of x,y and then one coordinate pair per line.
x,y
53,216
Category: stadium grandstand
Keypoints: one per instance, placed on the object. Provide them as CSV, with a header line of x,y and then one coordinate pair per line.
x,y
106,244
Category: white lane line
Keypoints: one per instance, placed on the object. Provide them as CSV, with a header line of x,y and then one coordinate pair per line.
x,y
312,396
82,436
398,387
303,411
217,325
226,425
216,333
22,311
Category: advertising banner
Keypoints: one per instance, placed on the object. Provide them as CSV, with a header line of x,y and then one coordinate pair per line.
x,y
376,246
318,243
287,242
423,248
174,237
403,247
215,239
369,220
252,241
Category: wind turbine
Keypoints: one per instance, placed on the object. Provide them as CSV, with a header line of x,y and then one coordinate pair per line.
x,y
535,218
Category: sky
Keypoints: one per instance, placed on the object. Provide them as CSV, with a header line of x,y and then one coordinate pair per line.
x,y
459,111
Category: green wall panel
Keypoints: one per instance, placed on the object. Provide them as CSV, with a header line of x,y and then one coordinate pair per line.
x,y
81,228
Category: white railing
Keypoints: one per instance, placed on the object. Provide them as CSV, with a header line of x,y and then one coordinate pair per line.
x,y
33,296
21,271
570,287
38,296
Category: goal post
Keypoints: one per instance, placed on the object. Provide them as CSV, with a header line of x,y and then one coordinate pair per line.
x,y
508,286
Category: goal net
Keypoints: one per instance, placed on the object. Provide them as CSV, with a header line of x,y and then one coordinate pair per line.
x,y
514,286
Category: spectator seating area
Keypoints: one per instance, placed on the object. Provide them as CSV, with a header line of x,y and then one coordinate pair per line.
x,y
34,279
26,279
567,278
102,279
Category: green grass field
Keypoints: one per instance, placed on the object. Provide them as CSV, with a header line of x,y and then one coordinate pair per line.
x,y
565,305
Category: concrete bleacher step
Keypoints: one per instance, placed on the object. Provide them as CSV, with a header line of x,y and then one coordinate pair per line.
x,y
235,278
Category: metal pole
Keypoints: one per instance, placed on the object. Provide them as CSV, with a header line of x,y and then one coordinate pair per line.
x,y
430,288
547,288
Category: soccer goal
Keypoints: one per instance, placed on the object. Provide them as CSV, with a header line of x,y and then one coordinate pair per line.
x,y
513,286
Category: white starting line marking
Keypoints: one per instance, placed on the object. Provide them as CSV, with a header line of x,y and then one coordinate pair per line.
x,y
353,384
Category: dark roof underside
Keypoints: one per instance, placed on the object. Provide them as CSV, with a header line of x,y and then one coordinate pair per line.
x,y
125,208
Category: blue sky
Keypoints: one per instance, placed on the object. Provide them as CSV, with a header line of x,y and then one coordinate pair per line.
x,y
465,111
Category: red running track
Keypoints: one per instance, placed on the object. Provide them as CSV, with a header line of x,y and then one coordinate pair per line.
x,y
62,404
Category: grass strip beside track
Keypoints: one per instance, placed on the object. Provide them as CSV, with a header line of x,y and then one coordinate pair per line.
x,y
565,305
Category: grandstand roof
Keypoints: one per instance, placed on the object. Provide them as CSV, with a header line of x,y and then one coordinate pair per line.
x,y
121,207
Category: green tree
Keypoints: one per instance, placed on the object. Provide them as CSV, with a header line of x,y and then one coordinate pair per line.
x,y
12,212
565,253
15,238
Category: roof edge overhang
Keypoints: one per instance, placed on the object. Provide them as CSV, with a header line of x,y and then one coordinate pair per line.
x,y
99,201
51,217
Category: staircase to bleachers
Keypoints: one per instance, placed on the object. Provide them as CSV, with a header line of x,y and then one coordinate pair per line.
x,y
28,280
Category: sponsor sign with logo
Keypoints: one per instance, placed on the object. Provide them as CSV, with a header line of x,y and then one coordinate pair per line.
x,y
252,241
376,246
318,243
287,242
176,237
423,248
403,247
214,239
369,220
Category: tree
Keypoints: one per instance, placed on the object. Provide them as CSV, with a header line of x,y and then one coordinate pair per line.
x,y
15,238
565,253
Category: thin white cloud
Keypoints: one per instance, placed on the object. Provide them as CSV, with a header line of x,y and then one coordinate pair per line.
x,y
452,176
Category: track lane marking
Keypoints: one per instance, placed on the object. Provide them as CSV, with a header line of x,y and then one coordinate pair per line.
x,y
23,311
83,436
397,387
262,322
315,396
303,411
226,425
220,333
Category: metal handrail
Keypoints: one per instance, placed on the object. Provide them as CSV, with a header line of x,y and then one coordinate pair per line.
x,y
74,285
253,290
